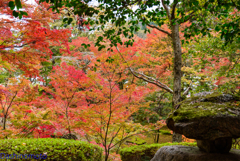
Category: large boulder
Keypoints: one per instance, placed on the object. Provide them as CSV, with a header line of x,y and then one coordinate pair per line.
x,y
186,153
208,117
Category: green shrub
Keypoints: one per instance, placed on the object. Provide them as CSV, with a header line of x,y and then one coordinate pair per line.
x,y
145,152
50,149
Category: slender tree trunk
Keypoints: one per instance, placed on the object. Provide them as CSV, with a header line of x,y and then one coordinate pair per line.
x,y
4,122
69,127
158,135
176,72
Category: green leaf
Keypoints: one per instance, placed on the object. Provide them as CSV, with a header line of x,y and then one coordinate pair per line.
x,y
85,45
109,60
182,42
20,16
24,13
15,14
217,28
70,21
65,19
18,4
11,5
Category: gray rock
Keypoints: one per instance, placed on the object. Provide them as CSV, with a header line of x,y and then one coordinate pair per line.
x,y
221,145
213,119
187,153
207,117
208,128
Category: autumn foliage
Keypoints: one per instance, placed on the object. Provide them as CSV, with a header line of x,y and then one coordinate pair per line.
x,y
94,94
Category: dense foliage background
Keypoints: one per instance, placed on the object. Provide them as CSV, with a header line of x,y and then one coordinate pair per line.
x,y
111,72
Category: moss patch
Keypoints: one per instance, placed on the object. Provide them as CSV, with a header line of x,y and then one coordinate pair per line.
x,y
165,132
54,149
145,152
204,106
136,140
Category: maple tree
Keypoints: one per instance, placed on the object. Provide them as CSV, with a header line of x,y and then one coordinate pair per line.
x,y
34,37
16,101
110,103
24,44
91,99
151,60
67,87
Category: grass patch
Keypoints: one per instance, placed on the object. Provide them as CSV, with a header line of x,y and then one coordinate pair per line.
x,y
165,132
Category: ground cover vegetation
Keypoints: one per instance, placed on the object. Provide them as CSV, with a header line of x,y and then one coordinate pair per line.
x,y
109,73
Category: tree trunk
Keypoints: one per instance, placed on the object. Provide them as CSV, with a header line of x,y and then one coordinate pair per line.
x,y
4,122
176,72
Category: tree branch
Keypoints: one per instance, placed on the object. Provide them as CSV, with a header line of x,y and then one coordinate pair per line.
x,y
159,29
151,80
126,137
146,78
109,146
167,9
187,90
173,10
190,16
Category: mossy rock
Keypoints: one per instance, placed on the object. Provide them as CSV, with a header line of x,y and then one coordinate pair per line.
x,y
188,153
207,116
206,104
145,152
49,149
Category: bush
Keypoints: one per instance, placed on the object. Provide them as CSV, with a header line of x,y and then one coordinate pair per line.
x,y
49,149
145,152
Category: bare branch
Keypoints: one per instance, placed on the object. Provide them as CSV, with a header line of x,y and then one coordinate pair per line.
x,y
20,46
126,137
109,146
187,90
146,78
71,57
151,80
159,29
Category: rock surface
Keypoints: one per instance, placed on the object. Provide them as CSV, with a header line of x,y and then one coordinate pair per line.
x,y
221,145
186,153
207,117
208,128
